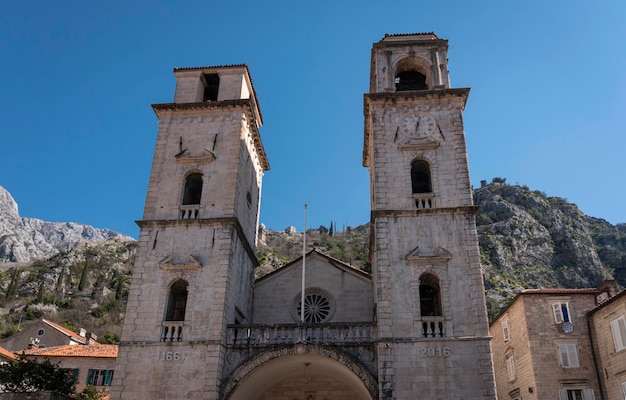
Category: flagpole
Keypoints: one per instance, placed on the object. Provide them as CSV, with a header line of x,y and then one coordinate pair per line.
x,y
303,267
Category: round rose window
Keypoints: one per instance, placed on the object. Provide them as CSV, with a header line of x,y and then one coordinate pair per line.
x,y
319,307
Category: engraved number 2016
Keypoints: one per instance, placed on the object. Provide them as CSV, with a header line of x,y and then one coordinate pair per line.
x,y
435,352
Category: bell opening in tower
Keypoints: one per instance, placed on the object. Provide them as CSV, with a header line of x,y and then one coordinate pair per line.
x,y
212,86
410,80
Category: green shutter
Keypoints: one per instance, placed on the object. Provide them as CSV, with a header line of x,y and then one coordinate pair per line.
x,y
108,375
90,375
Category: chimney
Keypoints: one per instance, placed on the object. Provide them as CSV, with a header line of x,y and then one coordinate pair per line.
x,y
608,286
91,338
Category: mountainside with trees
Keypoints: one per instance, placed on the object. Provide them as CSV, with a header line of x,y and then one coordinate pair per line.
x,y
527,240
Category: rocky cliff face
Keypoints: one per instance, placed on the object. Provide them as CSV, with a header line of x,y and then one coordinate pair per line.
x,y
530,240
27,239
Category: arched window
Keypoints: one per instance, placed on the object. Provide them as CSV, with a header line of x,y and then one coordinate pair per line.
x,y
193,189
430,298
410,80
177,301
420,177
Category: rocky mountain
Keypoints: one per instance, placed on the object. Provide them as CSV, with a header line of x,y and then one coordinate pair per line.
x,y
85,286
530,240
27,239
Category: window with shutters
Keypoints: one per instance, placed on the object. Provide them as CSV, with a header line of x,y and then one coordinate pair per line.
x,y
561,312
510,366
618,329
99,377
568,355
576,394
506,333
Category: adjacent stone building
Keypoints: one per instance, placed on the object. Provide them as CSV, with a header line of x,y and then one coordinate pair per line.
x,y
46,333
198,326
568,344
608,330
92,364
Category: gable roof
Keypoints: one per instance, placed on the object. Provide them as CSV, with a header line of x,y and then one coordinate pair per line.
x,y
73,335
93,351
331,260
6,354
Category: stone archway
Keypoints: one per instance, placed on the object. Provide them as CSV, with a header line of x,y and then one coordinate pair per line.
x,y
301,371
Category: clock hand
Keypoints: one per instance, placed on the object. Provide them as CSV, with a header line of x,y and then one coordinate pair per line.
x,y
417,124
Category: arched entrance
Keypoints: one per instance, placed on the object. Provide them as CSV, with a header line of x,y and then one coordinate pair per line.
x,y
306,372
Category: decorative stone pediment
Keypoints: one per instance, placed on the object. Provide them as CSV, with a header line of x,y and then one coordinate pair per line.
x,y
428,143
199,155
169,264
428,256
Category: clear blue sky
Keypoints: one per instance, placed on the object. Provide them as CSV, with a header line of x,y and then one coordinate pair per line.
x,y
77,80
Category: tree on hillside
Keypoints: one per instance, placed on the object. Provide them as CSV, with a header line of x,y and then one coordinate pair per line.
x,y
32,376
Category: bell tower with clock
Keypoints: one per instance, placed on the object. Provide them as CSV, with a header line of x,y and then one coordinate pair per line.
x,y
431,315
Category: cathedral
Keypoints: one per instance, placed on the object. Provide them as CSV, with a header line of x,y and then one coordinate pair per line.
x,y
199,326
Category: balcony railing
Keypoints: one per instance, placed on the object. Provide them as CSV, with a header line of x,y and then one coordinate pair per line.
x,y
329,334
189,211
424,200
172,331
433,327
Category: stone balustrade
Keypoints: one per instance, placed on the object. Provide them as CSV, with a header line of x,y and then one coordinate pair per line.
x,y
190,211
433,327
172,331
327,334
424,200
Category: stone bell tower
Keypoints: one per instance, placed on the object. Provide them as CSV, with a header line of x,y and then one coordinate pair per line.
x,y
432,320
194,269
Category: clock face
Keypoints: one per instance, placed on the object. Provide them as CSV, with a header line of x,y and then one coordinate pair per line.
x,y
418,125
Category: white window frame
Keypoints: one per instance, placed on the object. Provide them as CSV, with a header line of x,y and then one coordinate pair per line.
x,y
558,313
587,394
624,389
568,355
510,366
618,329
506,332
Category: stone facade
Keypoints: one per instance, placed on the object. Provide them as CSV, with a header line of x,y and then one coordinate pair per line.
x,y
92,364
542,346
608,329
348,291
432,320
197,326
195,263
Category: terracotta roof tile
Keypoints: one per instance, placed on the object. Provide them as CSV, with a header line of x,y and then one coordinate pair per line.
x,y
559,291
94,350
7,354
608,301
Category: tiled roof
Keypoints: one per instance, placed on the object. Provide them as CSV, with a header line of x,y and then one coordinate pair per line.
x,y
610,300
410,34
65,331
93,350
7,354
553,291
559,291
